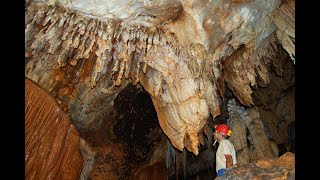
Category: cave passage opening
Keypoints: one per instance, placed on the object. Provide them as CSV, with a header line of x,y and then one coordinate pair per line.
x,y
137,126
128,136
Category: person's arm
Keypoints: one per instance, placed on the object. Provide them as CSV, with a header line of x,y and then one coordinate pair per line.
x,y
229,160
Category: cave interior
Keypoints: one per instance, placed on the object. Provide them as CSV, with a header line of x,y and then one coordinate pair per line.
x,y
133,89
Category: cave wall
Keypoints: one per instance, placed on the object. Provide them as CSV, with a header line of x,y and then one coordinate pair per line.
x,y
261,131
87,107
276,103
52,143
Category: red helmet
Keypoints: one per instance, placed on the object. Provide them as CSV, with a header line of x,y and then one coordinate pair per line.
x,y
223,129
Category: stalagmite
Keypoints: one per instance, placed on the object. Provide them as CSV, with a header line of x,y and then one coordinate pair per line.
x,y
260,146
239,139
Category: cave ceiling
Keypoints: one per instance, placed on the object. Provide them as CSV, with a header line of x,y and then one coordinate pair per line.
x,y
184,53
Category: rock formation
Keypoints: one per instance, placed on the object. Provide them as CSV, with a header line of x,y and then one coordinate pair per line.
x,y
248,121
267,168
201,62
51,141
181,52
88,158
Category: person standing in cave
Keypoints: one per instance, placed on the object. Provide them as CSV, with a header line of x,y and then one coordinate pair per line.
x,y
226,154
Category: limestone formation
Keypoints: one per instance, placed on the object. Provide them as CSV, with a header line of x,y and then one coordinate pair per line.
x,y
267,168
51,142
182,52
246,121
284,18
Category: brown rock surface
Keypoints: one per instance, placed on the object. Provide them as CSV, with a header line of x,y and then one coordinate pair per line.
x,y
51,141
268,168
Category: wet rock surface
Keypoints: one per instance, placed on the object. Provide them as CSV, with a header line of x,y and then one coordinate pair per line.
x,y
51,141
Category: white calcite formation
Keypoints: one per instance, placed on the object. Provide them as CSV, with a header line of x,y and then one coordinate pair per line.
x,y
175,49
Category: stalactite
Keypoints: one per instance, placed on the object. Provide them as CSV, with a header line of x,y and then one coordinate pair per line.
x,y
149,43
100,68
116,62
68,26
180,73
121,71
128,65
284,18
136,69
92,39
65,31
145,63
